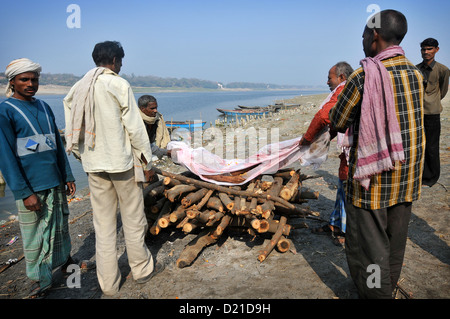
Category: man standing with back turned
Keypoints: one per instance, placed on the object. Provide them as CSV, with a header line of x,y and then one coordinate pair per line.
x,y
386,156
436,86
103,122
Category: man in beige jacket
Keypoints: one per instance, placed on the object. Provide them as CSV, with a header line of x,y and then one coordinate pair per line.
x,y
104,126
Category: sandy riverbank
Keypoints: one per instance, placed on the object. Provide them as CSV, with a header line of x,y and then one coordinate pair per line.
x,y
314,269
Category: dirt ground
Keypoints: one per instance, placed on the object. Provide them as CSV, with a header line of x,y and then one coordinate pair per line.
x,y
314,268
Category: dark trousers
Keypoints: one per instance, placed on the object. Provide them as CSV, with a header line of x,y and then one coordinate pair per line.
x,y
432,165
376,237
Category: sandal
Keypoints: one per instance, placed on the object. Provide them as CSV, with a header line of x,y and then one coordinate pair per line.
x,y
339,240
70,261
36,292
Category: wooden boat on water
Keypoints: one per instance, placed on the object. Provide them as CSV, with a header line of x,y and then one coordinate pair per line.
x,y
241,112
190,125
272,108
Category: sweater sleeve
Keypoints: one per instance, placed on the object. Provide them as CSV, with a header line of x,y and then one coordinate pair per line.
x,y
321,119
9,162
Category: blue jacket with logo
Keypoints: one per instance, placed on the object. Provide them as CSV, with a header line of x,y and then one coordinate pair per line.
x,y
32,156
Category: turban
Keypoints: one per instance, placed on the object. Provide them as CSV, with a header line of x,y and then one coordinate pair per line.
x,y
20,66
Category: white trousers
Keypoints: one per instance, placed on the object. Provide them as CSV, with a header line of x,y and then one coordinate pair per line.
x,y
108,190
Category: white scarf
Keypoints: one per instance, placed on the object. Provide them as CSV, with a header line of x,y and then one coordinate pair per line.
x,y
82,111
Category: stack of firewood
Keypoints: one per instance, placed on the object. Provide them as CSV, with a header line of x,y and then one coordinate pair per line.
x,y
261,206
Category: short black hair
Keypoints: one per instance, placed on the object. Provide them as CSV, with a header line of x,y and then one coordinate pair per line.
x,y
105,52
392,25
429,42
145,99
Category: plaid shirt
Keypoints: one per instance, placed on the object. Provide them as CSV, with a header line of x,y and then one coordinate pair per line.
x,y
402,184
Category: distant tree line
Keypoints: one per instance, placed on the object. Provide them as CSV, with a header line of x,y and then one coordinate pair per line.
x,y
155,81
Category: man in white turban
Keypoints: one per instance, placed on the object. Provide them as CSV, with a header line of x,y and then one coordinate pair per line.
x,y
36,169
20,66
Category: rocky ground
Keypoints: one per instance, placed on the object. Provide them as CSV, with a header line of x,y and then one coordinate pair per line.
x,y
314,268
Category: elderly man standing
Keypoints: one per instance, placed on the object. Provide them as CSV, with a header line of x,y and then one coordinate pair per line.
x,y
103,124
382,104
36,168
337,77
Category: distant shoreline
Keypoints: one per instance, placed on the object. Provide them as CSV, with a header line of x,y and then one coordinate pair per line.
x,y
51,89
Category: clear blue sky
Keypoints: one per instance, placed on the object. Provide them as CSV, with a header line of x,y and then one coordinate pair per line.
x,y
277,41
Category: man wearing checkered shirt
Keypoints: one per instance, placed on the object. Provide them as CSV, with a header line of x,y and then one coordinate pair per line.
x,y
379,205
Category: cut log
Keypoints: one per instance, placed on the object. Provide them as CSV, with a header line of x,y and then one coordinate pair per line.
x,y
215,203
309,194
155,229
193,249
192,212
204,199
190,225
170,182
177,191
194,197
275,238
227,202
273,227
267,209
205,216
263,226
217,216
291,188
297,210
266,182
155,209
236,205
177,214
224,222
226,190
253,204
150,187
283,244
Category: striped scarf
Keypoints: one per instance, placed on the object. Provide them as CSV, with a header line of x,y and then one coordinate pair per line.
x,y
380,140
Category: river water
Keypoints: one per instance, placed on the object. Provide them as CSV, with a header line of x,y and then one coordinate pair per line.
x,y
176,106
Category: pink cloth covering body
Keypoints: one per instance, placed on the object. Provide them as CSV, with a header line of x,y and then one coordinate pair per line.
x,y
268,160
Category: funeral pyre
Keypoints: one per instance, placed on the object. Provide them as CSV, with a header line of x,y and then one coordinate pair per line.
x,y
265,205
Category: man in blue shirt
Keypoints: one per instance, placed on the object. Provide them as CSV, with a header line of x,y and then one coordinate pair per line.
x,y
36,168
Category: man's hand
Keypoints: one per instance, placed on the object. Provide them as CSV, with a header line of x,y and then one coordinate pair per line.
x,y
32,203
303,142
70,188
150,175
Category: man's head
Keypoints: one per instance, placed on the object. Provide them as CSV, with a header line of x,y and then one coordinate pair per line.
x,y
108,54
23,79
338,74
429,47
384,29
148,105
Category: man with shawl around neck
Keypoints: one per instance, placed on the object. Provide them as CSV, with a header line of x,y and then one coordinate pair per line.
x,y
382,104
156,127
103,123
36,169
